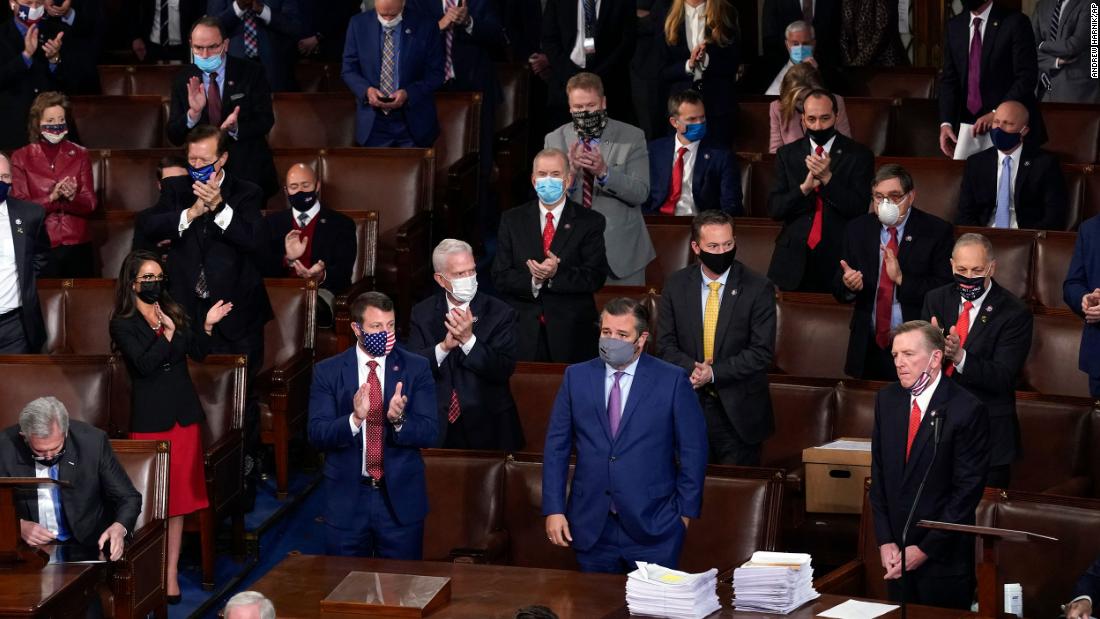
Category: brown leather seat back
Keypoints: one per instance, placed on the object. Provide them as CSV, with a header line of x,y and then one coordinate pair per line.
x,y
1051,366
756,243
89,304
83,384
312,120
51,298
855,408
130,178
284,158
1090,204
870,121
1056,439
1053,252
96,157
220,383
914,131
459,118
1073,131
135,121
534,387
811,336
892,82
514,87
741,508
112,239
671,238
114,79
523,517
466,490
938,183
744,167
310,76
294,302
146,464
1012,249
1076,176
753,125
762,179
366,239
396,182
153,79
803,411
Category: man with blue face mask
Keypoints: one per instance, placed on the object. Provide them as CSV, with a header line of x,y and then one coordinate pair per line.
x,y
687,173
801,45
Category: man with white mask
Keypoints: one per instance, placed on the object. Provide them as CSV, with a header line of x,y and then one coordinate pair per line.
x,y
469,339
890,258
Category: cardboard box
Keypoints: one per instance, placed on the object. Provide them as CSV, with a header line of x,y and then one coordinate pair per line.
x,y
834,477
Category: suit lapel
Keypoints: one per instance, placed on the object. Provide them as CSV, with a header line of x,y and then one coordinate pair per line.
x,y
989,35
597,377
1023,168
730,294
640,387
984,315
395,373
19,239
564,229
924,432
374,50
702,160
350,375
438,330
697,307
403,69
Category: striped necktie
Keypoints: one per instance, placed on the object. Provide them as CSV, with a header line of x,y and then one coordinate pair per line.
x,y
389,63
251,35
449,42
1055,19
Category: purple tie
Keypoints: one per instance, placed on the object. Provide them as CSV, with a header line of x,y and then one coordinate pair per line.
x,y
615,406
974,70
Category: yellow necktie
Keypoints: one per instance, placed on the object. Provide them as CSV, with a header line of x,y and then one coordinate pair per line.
x,y
710,320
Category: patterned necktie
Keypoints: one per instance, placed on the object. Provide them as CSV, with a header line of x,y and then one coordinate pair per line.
x,y
389,63
962,329
373,423
302,220
1055,19
59,509
202,289
214,101
974,70
615,405
164,40
586,187
547,234
814,237
710,320
677,186
884,298
251,35
589,27
1002,218
914,425
448,43
454,410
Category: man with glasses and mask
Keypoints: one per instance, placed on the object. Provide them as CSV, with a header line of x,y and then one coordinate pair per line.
x,y
891,257
470,340
988,332
641,446
231,94
100,506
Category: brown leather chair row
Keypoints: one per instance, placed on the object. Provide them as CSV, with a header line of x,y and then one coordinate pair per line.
x,y
487,508
510,156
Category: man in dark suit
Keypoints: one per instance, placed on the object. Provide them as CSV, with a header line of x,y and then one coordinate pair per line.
x,y
231,94
160,30
911,415
717,321
1063,29
1081,293
265,32
800,45
1014,184
175,193
890,259
24,251
1087,589
988,334
687,173
393,64
371,409
470,340
100,505
82,21
988,57
821,182
30,63
823,15
641,448
324,27
523,26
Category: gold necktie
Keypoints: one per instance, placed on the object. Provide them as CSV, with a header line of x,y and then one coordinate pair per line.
x,y
710,321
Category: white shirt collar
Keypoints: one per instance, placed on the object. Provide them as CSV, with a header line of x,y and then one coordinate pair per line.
x,y
984,15
310,214
628,370
1014,154
693,12
556,211
721,278
362,357
452,306
828,146
693,147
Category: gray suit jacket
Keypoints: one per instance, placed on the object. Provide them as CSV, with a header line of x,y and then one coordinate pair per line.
x,y
1072,82
619,200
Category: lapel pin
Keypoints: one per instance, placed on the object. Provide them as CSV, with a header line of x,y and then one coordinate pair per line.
x,y
985,319
733,293
230,83
323,220
395,368
568,226
706,155
908,238
989,308
1027,163
995,24
18,222
408,31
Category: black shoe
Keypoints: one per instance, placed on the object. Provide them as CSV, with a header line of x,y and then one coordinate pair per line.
x,y
174,599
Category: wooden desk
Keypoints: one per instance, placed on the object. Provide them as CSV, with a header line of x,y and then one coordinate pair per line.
x,y
298,583
53,591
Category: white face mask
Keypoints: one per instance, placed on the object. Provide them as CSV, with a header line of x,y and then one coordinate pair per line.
x,y
390,23
463,289
889,213
34,13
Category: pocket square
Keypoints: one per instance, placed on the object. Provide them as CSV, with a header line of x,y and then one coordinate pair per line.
x,y
239,95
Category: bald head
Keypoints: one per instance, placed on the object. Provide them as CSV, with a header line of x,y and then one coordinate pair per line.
x,y
389,9
301,177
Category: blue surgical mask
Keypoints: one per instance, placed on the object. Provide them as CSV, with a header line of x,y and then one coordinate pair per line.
x,y
1004,140
209,64
549,189
695,132
202,174
801,52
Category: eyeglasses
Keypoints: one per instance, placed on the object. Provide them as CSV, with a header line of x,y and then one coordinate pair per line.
x,y
894,197
209,49
149,277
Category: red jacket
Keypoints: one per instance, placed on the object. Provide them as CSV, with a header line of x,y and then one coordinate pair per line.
x,y
33,176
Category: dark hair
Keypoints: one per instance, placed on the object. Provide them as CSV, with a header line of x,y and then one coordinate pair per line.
x,y
535,612
43,101
893,170
125,295
932,336
820,92
205,132
210,22
170,161
710,218
370,299
621,306
682,97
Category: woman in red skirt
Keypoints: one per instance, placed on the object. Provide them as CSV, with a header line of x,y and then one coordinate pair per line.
x,y
155,338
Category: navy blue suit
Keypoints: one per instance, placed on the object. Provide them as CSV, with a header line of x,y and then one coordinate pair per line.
x,y
1084,277
419,73
715,178
335,381
276,41
637,469
1089,584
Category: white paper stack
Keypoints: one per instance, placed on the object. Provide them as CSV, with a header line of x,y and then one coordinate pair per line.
x,y
774,582
655,591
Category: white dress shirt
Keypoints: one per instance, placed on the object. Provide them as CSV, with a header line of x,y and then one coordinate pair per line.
x,y
361,359
222,219
686,205
310,214
174,37
625,381
556,212
577,55
47,511
974,311
695,23
1014,167
984,15
704,291
827,146
10,297
440,354
925,397
264,15
773,90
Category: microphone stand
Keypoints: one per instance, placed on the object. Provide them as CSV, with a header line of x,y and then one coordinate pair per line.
x,y
936,418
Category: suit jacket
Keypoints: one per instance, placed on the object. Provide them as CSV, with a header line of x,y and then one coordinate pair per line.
x,y
567,300
1089,583
955,483
996,349
329,20
277,41
250,157
653,469
1072,82
334,242
34,177
420,72
744,343
715,178
1082,278
335,381
232,259
32,249
924,254
523,25
488,418
624,149
845,197
470,51
101,493
793,131
20,85
142,27
778,14
1040,195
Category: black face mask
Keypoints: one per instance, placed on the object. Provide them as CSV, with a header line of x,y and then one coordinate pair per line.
x,y
175,191
589,125
150,291
970,288
48,462
302,201
821,136
718,263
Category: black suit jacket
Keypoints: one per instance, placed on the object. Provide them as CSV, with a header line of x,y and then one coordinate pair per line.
x,y
329,20
142,27
996,349
523,25
1089,583
101,493
333,241
488,418
20,85
924,254
566,300
245,86
955,483
744,343
232,259
615,37
778,14
32,248
1039,193
846,196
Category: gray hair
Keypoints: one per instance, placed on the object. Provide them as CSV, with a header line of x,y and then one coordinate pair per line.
x,y
799,26
448,247
39,416
551,152
933,337
248,598
973,238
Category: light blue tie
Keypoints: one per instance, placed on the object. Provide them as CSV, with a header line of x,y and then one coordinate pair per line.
x,y
1004,195
59,510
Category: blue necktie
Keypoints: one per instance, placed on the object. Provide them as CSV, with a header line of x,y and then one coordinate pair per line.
x,y
1004,195
59,511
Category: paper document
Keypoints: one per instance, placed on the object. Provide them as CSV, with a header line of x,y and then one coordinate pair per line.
x,y
848,445
855,609
774,582
656,591
968,144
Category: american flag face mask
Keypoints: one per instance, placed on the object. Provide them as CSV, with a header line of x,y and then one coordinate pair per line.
x,y
377,344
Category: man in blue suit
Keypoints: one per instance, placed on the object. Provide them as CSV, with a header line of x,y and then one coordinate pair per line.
x,y
1081,292
687,174
371,409
393,64
1087,590
632,418
263,31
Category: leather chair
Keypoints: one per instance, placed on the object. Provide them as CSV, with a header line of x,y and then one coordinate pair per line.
x,y
915,131
855,408
312,120
112,235
870,121
114,79
83,383
1056,445
892,82
284,158
1076,179
745,161
466,521
753,124
1053,252
152,79
310,76
457,167
135,121
510,135
77,313
756,242
811,335
130,178
803,410
671,238
938,182
362,277
96,156
1012,249
534,387
1051,366
762,179
1073,131
523,519
1090,201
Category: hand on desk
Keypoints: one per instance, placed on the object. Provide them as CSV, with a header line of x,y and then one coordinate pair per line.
x,y
557,530
114,534
35,534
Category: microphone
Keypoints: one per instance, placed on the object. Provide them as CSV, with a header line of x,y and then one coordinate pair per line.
x,y
936,420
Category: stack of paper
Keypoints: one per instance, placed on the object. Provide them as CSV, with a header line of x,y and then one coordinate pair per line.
x,y
655,591
774,582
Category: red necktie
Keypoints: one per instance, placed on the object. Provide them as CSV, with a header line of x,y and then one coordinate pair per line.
x,y
815,229
884,299
587,187
962,329
974,70
454,410
214,101
548,234
914,425
374,423
677,185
